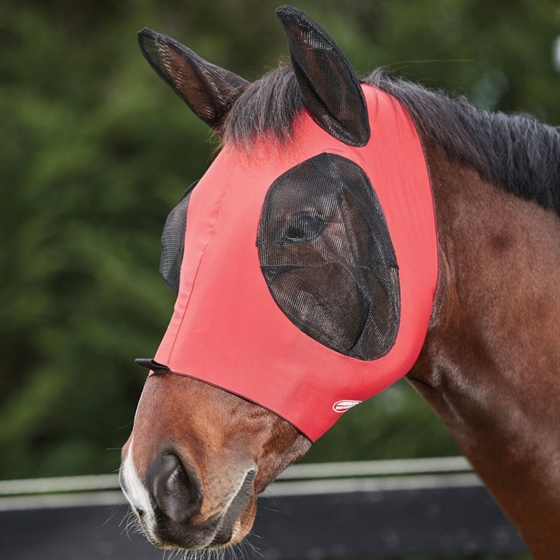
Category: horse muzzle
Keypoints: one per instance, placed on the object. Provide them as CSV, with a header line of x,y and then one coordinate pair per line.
x,y
173,512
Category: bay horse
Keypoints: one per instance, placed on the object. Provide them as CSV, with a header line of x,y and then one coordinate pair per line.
x,y
482,344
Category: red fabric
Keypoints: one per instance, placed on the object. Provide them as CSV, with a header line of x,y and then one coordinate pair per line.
x,y
227,330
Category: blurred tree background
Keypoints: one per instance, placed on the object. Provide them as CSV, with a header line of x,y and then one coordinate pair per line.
x,y
95,151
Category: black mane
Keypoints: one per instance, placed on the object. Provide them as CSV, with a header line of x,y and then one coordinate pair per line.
x,y
515,152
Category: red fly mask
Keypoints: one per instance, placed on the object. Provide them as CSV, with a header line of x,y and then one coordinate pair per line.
x,y
305,273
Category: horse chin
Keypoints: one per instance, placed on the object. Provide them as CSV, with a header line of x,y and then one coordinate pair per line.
x,y
214,534
224,536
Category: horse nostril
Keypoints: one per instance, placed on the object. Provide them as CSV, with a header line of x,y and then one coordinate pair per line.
x,y
176,492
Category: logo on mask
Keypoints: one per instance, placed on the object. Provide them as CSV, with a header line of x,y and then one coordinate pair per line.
x,y
343,406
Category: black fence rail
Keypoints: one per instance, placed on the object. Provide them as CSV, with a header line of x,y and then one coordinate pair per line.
x,y
385,509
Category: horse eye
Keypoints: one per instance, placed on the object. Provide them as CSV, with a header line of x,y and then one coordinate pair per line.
x,y
302,229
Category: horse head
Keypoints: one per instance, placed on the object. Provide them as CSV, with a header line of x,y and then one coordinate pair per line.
x,y
304,264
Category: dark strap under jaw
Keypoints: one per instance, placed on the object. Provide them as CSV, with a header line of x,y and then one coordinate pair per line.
x,y
152,365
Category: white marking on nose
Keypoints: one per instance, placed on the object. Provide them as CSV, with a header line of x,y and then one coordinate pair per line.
x,y
137,494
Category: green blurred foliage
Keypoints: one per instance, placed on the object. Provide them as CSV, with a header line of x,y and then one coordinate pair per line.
x,y
95,150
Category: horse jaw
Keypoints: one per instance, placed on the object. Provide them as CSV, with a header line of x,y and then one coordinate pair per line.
x,y
196,460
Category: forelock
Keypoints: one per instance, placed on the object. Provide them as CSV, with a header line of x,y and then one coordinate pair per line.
x,y
267,106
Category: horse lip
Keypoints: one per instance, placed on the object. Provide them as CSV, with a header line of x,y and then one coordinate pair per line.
x,y
224,531
215,532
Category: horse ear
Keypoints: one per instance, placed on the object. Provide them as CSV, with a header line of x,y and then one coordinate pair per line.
x,y
208,90
331,91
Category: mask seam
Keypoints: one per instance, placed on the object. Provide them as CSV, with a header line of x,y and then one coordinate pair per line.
x,y
210,236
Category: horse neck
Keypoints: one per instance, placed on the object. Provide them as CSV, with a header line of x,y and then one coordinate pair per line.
x,y
490,366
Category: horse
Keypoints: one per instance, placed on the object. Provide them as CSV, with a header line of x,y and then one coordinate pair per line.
x,y
480,196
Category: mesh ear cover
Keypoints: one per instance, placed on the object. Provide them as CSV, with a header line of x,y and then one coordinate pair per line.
x,y
173,242
208,90
330,90
327,257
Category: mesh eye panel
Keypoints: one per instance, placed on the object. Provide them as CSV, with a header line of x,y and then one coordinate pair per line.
x,y
173,241
327,257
